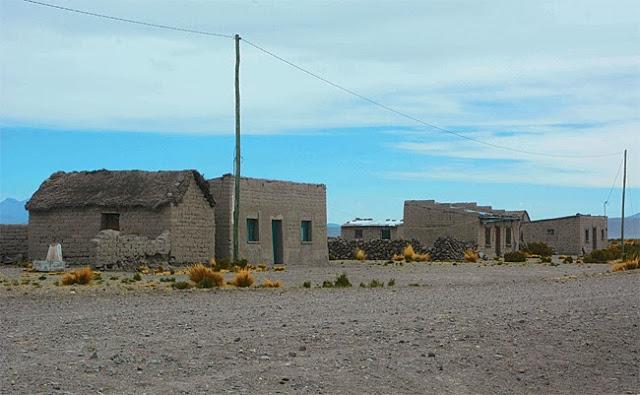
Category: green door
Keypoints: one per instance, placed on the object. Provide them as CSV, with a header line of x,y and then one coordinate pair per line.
x,y
276,236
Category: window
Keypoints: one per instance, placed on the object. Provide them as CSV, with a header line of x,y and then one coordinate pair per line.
x,y
305,230
522,236
358,233
385,234
601,234
110,221
507,236
586,235
487,236
551,232
253,229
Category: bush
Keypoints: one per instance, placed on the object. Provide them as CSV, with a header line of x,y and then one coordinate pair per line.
x,y
204,277
359,254
535,248
545,259
306,284
471,255
137,277
342,281
603,255
267,283
327,284
626,265
515,256
391,282
243,279
81,276
181,285
376,283
408,253
567,259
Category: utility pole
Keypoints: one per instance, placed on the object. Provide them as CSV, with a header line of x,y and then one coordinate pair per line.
x,y
624,187
236,191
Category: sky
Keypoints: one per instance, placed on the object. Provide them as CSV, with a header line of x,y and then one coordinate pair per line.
x,y
555,77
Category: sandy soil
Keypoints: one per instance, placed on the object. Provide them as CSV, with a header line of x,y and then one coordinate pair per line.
x,y
442,328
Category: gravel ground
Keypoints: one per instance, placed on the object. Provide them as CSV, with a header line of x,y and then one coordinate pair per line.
x,y
442,328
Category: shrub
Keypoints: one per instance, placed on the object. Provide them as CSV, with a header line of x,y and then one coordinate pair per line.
x,y
306,284
204,277
515,256
375,284
342,281
471,255
197,272
408,253
327,284
626,265
80,276
603,255
243,278
538,248
136,277
359,254
168,280
391,282
267,283
181,285
42,278
567,259
545,259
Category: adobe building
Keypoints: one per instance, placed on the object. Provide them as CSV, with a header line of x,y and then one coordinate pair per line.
x,y
573,235
370,229
281,222
493,231
105,217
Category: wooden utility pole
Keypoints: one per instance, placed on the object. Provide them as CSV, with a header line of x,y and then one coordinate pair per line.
x,y
624,187
236,190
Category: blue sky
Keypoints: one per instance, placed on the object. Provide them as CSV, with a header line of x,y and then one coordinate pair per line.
x,y
556,77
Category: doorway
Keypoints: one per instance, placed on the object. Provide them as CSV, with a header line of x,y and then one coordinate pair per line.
x,y
276,236
498,242
594,238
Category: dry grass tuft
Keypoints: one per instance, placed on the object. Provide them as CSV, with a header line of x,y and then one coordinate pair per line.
x,y
267,283
422,257
408,253
197,272
204,277
471,256
626,265
397,257
359,254
80,276
243,278
212,263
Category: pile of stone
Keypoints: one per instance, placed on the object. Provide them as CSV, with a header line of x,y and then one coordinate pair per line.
x,y
340,249
448,249
118,251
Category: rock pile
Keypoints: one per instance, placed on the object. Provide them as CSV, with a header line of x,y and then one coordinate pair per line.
x,y
448,249
375,249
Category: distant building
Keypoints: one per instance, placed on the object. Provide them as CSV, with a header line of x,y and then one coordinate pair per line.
x,y
493,231
280,221
110,217
573,235
370,229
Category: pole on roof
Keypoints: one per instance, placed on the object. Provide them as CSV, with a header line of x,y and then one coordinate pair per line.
x,y
624,187
236,190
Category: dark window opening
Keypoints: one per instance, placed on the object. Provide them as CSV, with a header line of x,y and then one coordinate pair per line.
x,y
507,236
110,221
358,234
253,232
385,234
487,237
551,232
586,235
305,229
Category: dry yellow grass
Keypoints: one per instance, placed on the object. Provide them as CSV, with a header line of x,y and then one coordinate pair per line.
x,y
212,263
200,274
627,265
471,256
80,276
243,278
359,254
397,257
279,268
422,257
267,283
408,253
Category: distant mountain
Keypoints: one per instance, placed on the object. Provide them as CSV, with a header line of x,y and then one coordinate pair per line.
x,y
12,211
631,227
333,230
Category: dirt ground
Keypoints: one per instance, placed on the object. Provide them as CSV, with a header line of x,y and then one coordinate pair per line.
x,y
442,328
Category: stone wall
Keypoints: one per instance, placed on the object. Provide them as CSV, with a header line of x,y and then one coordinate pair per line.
x,y
114,249
192,228
567,235
268,200
426,222
368,232
13,243
341,249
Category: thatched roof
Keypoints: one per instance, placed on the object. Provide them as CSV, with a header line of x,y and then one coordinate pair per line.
x,y
116,189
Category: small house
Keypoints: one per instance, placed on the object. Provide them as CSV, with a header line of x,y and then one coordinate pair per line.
x,y
370,229
573,235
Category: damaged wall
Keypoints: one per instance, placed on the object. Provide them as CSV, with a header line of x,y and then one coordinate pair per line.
x,y
114,249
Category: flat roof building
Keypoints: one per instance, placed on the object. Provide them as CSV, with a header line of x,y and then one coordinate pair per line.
x,y
573,235
370,229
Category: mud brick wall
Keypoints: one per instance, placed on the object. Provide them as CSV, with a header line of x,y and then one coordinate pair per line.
x,y
114,249
192,228
13,241
369,232
267,200
567,235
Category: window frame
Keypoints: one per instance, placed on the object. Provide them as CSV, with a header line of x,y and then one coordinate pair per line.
x,y
256,230
309,232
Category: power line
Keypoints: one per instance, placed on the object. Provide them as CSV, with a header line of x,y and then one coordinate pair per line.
x,y
326,81
115,18
412,118
614,182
